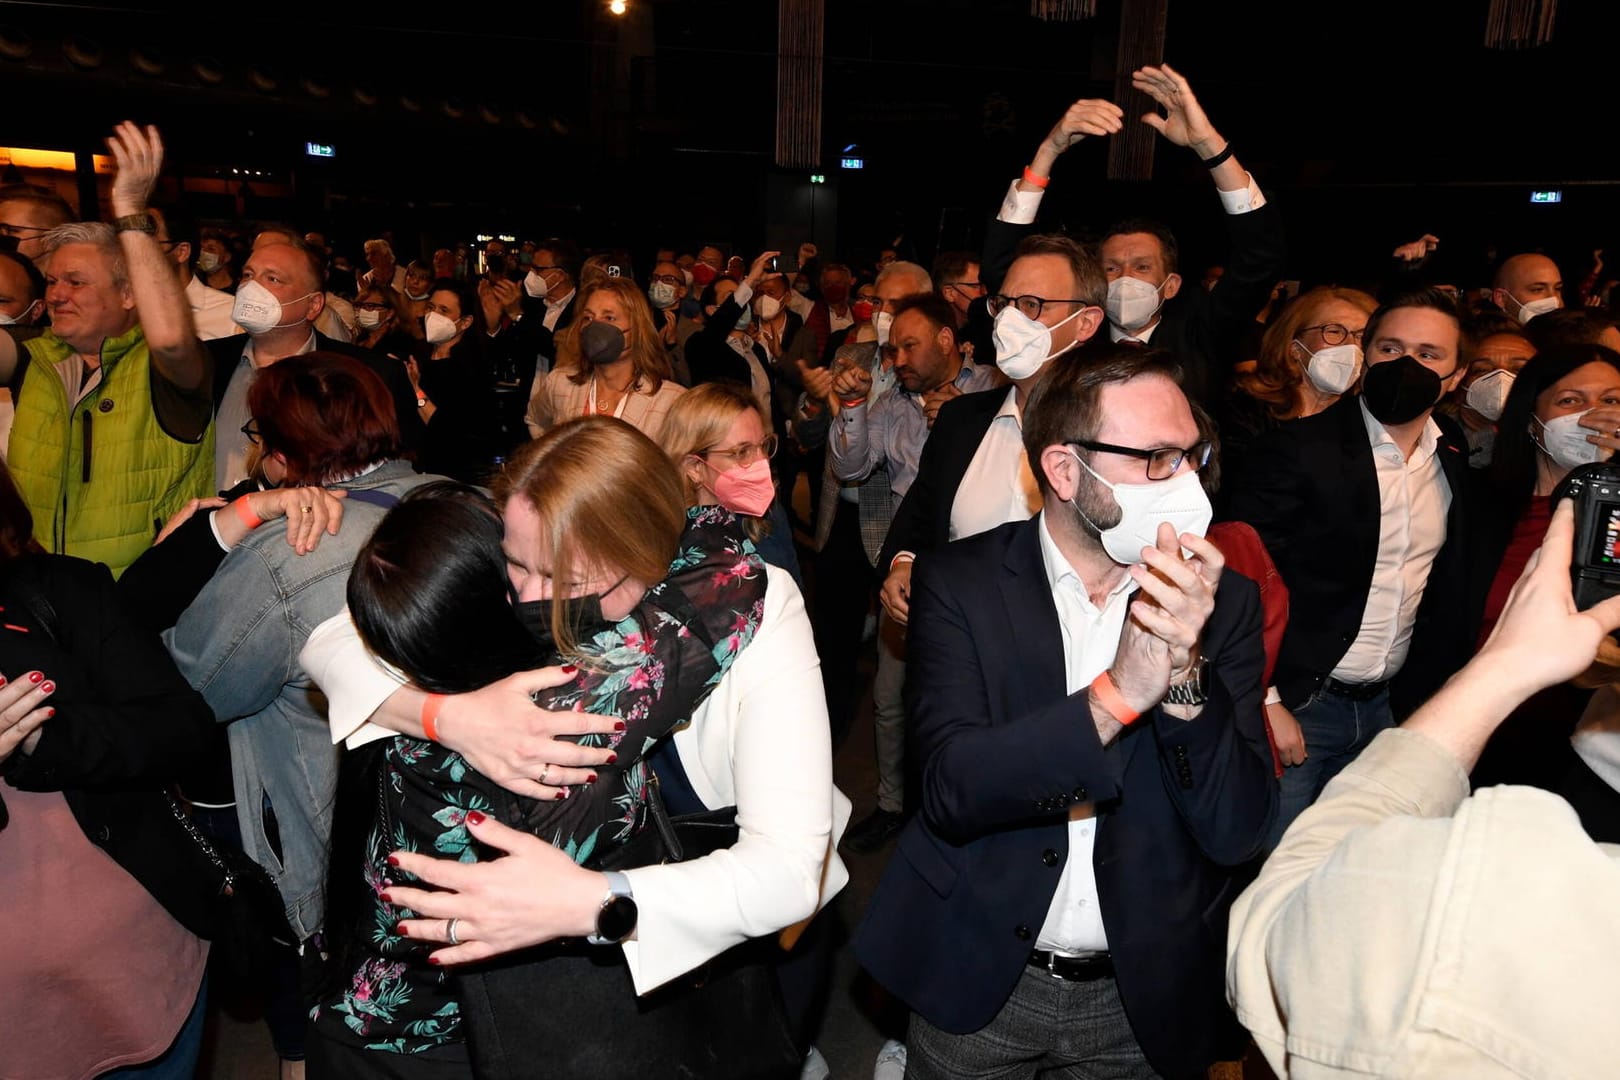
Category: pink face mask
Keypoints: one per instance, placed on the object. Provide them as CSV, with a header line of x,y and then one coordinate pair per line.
x,y
747,489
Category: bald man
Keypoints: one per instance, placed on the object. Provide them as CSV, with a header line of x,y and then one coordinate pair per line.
x,y
1528,285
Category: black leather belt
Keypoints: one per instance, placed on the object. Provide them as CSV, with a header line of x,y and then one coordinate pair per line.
x,y
1073,968
1354,691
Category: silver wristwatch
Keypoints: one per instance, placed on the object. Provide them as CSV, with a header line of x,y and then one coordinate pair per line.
x,y
1195,690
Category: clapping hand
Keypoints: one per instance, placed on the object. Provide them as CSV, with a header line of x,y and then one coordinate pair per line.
x,y
1159,643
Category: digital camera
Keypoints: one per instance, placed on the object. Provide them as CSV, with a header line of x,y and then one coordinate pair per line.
x,y
1595,566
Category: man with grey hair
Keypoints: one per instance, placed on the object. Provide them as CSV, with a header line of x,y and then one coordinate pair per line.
x,y
384,271
113,431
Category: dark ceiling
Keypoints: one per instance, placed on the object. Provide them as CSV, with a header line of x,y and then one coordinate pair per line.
x,y
554,115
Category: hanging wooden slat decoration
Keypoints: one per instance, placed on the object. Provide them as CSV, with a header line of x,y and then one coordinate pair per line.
x,y
1520,24
800,32
1063,10
1141,42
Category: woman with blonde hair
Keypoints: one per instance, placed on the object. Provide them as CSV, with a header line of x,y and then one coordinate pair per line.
x,y
718,438
620,369
462,599
1308,357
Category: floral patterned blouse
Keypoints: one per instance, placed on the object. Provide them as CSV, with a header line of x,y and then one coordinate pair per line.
x,y
651,670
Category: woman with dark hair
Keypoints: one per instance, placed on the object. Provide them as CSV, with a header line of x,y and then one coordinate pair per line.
x,y
1562,412
454,373
591,513
106,904
384,322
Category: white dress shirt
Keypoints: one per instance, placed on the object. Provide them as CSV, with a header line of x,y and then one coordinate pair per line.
x,y
998,486
1090,638
1413,498
230,445
554,310
210,310
1020,207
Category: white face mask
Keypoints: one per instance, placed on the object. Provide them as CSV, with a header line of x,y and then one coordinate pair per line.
x,y
767,308
1535,307
368,320
1564,440
1024,346
257,310
662,295
1132,302
418,297
1180,500
1488,394
882,322
439,328
1334,369
208,262
10,320
535,285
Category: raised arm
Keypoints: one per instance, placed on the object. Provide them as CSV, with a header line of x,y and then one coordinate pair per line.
x,y
165,314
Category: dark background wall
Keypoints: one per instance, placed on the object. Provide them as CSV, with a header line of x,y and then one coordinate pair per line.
x,y
1369,123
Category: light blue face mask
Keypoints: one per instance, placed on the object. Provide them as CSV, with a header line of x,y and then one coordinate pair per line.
x,y
745,320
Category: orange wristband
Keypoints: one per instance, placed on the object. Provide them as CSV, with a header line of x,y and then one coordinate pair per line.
x,y
245,513
430,716
1031,177
1112,700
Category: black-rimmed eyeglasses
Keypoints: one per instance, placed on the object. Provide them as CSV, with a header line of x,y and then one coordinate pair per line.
x,y
1162,463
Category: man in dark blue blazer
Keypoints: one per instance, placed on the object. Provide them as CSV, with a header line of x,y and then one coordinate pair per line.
x,y
1086,708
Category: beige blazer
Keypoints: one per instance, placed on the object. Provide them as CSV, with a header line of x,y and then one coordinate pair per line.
x,y
559,398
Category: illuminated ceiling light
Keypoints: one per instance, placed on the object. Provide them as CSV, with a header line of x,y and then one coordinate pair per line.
x,y
618,7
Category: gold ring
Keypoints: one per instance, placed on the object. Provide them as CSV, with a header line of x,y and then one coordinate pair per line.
x,y
306,509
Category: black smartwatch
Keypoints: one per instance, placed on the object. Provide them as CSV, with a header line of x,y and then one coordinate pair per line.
x,y
616,919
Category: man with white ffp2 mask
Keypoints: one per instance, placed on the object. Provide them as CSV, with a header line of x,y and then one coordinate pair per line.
x,y
1147,301
1497,361
1528,285
277,304
1050,303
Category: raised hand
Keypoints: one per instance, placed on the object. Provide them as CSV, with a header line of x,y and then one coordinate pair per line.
x,y
1184,122
1086,117
139,157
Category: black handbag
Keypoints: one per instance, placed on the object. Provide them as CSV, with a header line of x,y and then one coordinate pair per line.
x,y
567,1009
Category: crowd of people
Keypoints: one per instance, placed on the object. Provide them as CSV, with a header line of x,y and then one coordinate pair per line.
x,y
505,607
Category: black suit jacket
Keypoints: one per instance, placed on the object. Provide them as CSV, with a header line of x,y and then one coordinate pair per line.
x,y
1201,328
227,352
923,518
1309,487
1005,751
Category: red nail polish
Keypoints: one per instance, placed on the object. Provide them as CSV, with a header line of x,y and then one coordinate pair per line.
x,y
387,898
618,725
399,928
612,758
47,687
476,817
562,794
35,676
49,713
2,680
569,669
434,960
393,860
591,779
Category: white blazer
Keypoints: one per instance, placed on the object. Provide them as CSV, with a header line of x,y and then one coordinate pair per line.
x,y
761,741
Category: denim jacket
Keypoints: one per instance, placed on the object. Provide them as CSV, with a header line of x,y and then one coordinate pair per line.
x,y
238,645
